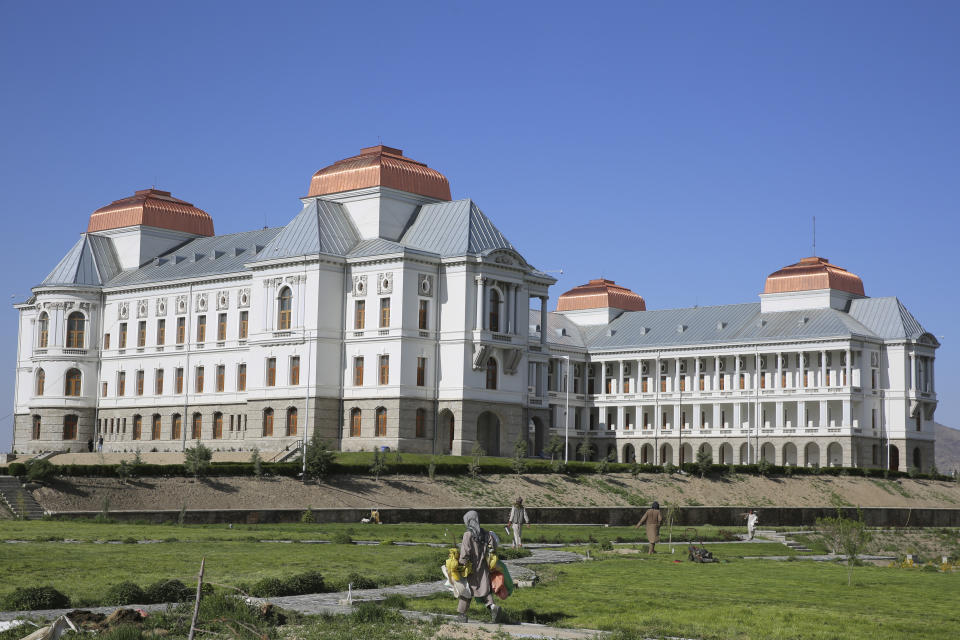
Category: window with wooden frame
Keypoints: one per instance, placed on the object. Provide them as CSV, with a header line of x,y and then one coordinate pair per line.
x,y
268,422
493,312
358,371
198,381
161,332
41,382
72,383
70,427
121,383
181,330
421,372
122,339
217,426
723,381
643,385
158,382
646,419
106,341
284,309
384,369
178,379
703,381
75,330
201,329
221,376
139,382
355,419
295,370
142,333
196,428
384,313
763,381
43,329
663,384
381,429
221,327
103,390
421,423
176,423
292,421
244,325
423,315
36,428
783,379
491,374
271,372
683,383
241,377
155,427
743,381
359,314
137,427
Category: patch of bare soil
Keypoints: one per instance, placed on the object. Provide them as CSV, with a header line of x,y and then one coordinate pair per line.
x,y
89,494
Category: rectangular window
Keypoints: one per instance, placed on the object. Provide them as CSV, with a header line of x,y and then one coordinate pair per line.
x,y
919,421
140,382
423,316
358,314
609,388
663,384
844,377
644,385
155,428
743,381
137,427
828,377
805,379
783,380
217,426
384,369
703,381
723,419
175,426
142,333
222,327
271,372
873,379
420,426
181,330
663,420
103,390
201,328
626,385
646,420
242,377
384,312
161,332
221,375
179,380
197,426
106,341
723,381
873,418
158,382
244,321
36,427
198,383
358,372
295,370
421,372
683,383
122,343
355,418
121,383
763,381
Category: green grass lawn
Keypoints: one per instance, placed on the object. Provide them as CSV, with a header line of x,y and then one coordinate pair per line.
x,y
740,599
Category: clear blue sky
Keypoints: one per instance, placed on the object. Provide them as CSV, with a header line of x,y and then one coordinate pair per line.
x,y
679,148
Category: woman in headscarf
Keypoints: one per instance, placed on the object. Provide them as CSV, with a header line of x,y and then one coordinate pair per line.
x,y
652,520
518,518
473,551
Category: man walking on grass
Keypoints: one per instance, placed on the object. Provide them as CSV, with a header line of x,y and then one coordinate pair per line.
x,y
518,518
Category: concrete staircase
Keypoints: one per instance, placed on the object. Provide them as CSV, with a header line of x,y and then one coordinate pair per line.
x,y
19,500
782,538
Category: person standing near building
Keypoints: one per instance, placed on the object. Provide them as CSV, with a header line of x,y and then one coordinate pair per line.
x,y
751,523
652,519
518,518
100,444
474,552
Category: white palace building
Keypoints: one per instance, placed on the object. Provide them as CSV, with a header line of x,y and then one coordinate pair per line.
x,y
385,314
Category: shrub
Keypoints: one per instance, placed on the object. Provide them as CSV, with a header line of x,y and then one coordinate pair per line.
x,y
40,470
379,464
519,464
17,469
318,458
341,537
585,449
31,598
764,467
307,517
125,593
432,468
196,460
395,601
475,454
167,591
129,540
704,462
256,462
308,582
268,588
360,581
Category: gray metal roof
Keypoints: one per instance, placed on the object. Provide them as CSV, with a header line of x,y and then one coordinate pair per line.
x,y
454,229
321,227
210,256
562,330
884,318
90,262
382,246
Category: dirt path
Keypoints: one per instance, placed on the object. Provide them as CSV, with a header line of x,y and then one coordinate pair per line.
x,y
89,494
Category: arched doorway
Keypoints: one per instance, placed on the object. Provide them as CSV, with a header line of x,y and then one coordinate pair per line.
x,y
611,453
768,453
629,455
835,454
666,454
539,435
745,457
811,455
446,430
790,454
488,433
916,459
646,454
894,458
706,449
686,453
726,453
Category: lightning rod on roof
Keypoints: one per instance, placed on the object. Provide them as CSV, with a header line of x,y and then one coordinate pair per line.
x,y
814,235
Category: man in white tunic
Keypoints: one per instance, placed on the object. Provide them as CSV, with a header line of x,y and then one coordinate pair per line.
x,y
518,518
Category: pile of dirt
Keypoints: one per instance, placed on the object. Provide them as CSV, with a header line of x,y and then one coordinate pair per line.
x,y
550,490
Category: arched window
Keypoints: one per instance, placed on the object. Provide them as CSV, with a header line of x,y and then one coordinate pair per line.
x,y
494,311
36,428
286,304
268,422
43,327
137,427
155,427
69,427
176,423
196,427
292,421
421,423
217,425
491,374
75,330
355,417
916,458
71,385
381,422
41,381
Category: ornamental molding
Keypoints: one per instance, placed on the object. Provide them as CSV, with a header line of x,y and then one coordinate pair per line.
x,y
123,310
181,304
201,302
160,307
384,283
359,286
223,300
243,299
425,284
142,308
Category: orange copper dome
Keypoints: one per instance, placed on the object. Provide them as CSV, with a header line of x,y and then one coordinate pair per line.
x,y
811,274
153,208
380,166
599,294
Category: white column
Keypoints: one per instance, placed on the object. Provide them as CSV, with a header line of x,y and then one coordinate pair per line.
x,y
543,320
912,382
736,375
777,384
848,368
621,423
517,317
481,296
778,421
676,375
933,388
696,375
715,421
620,381
823,414
716,374
823,370
846,414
